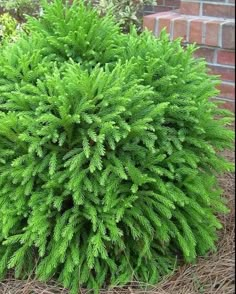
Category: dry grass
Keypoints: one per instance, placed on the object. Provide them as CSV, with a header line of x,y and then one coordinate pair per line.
x,y
211,275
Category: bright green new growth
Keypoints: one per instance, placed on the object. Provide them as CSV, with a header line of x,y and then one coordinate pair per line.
x,y
108,153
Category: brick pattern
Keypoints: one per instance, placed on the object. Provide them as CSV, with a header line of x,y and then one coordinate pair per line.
x,y
220,8
221,62
217,56
226,104
227,91
194,29
190,8
217,10
212,32
226,73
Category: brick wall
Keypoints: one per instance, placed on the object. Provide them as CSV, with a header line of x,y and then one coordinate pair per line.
x,y
208,23
213,8
211,25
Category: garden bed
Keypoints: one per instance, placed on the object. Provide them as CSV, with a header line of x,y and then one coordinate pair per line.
x,y
211,275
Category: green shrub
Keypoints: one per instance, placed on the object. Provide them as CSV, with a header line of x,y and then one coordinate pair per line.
x,y
108,152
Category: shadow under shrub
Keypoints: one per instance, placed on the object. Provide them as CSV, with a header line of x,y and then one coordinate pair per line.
x,y
108,152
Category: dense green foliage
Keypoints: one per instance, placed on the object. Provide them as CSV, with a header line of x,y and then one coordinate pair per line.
x,y
108,152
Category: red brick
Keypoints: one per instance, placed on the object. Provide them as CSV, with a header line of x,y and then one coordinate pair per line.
x,y
212,33
180,29
230,105
149,22
196,29
172,3
190,8
160,2
162,8
165,22
226,57
227,90
218,10
227,104
225,73
228,35
207,53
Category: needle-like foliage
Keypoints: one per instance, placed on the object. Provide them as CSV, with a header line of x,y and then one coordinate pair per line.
x,y
108,152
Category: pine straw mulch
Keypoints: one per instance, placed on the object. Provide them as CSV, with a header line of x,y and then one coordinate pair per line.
x,y
211,275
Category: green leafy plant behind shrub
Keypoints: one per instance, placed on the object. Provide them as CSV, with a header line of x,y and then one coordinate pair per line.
x,y
108,153
8,27
20,8
126,12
